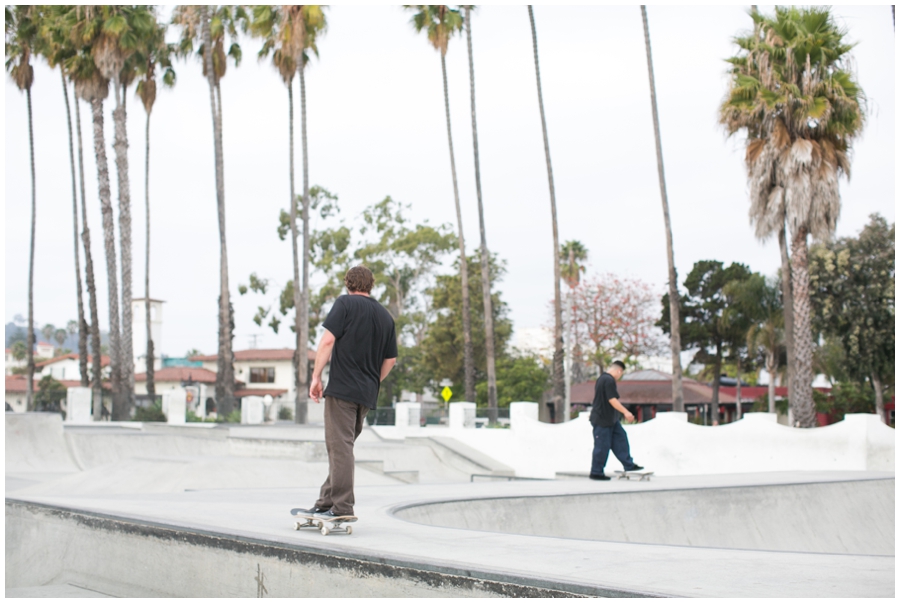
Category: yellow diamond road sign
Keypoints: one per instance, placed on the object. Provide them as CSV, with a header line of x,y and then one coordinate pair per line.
x,y
446,393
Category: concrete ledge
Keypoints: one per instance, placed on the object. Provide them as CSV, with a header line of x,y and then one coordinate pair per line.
x,y
98,551
473,456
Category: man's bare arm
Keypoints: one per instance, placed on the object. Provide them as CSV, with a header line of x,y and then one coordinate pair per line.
x,y
386,367
618,406
323,355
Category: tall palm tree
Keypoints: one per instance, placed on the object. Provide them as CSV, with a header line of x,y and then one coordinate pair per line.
x,y
152,52
208,26
674,312
572,256
56,50
559,388
76,70
21,34
441,22
314,25
289,31
794,94
485,268
112,33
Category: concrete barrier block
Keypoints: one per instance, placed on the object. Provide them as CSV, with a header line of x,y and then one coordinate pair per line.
x,y
252,410
408,414
522,412
175,406
78,405
461,415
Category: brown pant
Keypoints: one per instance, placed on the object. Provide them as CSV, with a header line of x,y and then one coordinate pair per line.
x,y
343,424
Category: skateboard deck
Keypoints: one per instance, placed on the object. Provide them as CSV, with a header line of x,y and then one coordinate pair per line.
x,y
644,475
326,526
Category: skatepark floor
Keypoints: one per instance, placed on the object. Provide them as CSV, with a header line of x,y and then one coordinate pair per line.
x,y
399,527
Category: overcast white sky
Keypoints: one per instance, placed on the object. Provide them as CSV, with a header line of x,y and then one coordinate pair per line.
x,y
376,128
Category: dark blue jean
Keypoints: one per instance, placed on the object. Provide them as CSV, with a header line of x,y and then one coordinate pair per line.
x,y
610,438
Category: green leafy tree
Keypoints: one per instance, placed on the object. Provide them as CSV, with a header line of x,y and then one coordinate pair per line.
x,y
19,350
50,395
794,95
852,293
703,324
520,378
765,336
443,344
744,310
21,38
441,23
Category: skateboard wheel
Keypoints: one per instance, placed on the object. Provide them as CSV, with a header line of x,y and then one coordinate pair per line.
x,y
320,524
297,525
349,530
325,531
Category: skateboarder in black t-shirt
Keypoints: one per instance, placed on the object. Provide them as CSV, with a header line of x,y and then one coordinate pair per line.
x,y
361,342
608,432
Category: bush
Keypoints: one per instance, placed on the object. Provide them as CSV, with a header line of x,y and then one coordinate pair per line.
x,y
233,417
845,397
193,418
150,414
49,394
285,414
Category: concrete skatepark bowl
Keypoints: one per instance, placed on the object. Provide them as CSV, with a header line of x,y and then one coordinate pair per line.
x,y
151,510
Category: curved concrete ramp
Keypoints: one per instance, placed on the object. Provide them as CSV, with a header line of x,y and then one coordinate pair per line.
x,y
850,517
35,442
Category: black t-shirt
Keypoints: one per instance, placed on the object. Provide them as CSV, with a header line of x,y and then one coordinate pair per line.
x,y
602,412
364,337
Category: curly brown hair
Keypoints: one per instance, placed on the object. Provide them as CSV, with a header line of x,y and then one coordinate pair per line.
x,y
359,279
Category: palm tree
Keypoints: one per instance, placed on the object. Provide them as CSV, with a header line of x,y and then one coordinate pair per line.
x,y
794,94
559,388
767,335
21,34
674,312
485,268
288,32
314,25
208,25
440,23
56,50
111,34
80,67
152,52
571,256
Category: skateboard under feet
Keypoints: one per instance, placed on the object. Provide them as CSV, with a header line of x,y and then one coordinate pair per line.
x,y
326,526
644,475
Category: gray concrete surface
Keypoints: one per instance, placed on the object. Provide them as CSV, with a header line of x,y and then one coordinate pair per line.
x,y
850,517
190,512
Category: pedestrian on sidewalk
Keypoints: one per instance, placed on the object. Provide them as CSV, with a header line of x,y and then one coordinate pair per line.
x,y
606,413
361,342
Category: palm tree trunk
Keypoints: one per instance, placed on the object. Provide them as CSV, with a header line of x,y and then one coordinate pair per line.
x,y
151,384
109,241
82,333
225,365
714,407
559,387
126,366
771,367
296,258
674,311
788,303
802,372
879,397
738,409
468,351
29,353
485,254
303,343
96,358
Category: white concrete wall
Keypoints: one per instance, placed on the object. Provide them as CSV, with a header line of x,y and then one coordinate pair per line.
x,y
670,445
